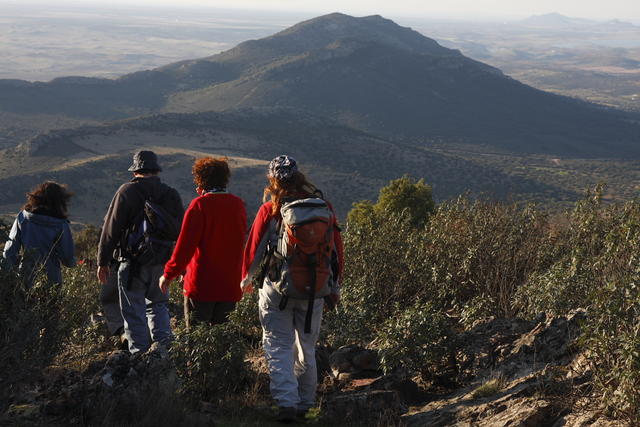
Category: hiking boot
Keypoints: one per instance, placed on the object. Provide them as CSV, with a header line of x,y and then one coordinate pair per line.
x,y
124,342
286,414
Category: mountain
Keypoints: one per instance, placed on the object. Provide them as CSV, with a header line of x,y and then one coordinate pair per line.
x,y
555,21
368,73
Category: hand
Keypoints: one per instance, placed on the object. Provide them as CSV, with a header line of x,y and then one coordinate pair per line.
x,y
331,301
103,273
247,286
164,284
335,298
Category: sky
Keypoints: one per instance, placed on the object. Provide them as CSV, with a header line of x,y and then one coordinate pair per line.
x,y
628,10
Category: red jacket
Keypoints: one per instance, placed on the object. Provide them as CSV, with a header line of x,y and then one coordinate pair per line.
x,y
258,234
210,248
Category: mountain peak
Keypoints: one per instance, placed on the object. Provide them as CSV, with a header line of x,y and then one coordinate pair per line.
x,y
554,19
317,33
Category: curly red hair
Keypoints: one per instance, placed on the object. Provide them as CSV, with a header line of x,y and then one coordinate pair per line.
x,y
211,172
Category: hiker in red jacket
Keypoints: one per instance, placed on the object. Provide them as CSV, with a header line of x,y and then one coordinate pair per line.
x,y
210,246
290,325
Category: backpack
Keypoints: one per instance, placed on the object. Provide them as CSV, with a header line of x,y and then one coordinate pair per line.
x,y
302,259
150,238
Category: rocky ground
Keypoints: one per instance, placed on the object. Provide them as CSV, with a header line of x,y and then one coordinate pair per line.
x,y
507,373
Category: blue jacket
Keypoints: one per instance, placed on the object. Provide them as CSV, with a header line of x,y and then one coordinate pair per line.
x,y
44,240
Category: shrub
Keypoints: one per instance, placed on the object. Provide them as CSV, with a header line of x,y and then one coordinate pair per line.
x,y
482,251
245,317
417,339
384,270
37,321
4,232
468,259
210,361
86,241
401,195
489,388
573,250
612,333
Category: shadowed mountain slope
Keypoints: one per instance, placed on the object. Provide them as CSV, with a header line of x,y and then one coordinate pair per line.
x,y
348,165
368,73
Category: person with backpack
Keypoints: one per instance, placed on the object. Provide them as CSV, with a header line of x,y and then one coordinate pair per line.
x,y
41,234
140,228
294,255
210,246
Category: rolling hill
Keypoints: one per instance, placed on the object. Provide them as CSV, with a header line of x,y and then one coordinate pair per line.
x,y
368,73
347,164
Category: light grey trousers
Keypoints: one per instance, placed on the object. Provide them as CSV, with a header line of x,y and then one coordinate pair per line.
x,y
290,353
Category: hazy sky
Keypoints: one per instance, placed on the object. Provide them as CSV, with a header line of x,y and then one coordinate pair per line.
x,y
597,9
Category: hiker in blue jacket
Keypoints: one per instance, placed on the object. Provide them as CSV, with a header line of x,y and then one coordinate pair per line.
x,y
41,234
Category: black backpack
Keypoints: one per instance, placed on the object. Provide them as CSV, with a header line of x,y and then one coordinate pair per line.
x,y
151,236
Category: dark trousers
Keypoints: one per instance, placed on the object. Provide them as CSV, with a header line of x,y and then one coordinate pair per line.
x,y
110,300
211,312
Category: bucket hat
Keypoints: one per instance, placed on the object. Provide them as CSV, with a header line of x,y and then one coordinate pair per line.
x,y
145,160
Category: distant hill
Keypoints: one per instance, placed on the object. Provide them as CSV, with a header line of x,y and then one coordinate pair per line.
x,y
555,20
367,73
348,165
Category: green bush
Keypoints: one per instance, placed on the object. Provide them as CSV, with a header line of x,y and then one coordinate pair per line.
x,y
37,321
245,317
86,242
384,269
555,291
210,361
573,250
482,249
467,260
416,339
612,332
5,228
405,194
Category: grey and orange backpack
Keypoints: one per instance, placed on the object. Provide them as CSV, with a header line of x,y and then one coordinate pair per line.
x,y
301,265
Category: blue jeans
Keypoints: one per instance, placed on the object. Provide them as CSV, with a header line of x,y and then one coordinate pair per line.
x,y
145,309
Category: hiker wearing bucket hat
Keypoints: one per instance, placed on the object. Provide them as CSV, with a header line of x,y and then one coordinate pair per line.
x,y
145,161
294,255
132,301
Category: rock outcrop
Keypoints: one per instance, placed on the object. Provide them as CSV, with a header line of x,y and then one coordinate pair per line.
x,y
510,372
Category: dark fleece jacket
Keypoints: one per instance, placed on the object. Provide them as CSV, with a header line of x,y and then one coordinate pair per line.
x,y
126,204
